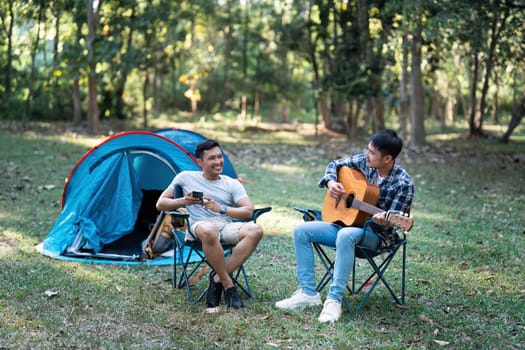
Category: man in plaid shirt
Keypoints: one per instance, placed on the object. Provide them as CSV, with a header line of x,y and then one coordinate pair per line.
x,y
396,191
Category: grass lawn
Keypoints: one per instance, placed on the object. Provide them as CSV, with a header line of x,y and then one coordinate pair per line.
x,y
466,282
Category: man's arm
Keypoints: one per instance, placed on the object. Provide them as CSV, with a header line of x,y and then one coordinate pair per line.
x,y
357,161
167,202
243,210
400,203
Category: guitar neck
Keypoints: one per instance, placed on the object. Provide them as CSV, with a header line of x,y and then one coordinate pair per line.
x,y
367,208
395,219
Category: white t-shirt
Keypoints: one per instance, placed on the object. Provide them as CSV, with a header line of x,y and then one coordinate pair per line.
x,y
225,191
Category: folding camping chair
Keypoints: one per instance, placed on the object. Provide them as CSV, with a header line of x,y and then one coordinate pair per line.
x,y
379,261
190,257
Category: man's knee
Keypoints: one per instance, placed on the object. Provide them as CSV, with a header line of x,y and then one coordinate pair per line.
x,y
253,231
207,233
349,237
301,232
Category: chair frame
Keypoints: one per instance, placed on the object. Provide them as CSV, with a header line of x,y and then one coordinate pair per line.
x,y
379,268
239,277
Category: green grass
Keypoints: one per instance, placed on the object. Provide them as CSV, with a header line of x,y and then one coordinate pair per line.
x,y
465,254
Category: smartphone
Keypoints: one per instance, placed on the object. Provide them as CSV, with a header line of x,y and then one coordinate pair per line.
x,y
196,194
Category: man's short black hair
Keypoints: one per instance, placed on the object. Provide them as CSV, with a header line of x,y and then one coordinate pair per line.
x,y
387,142
204,146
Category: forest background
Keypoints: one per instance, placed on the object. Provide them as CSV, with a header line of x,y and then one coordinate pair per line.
x,y
285,86
343,65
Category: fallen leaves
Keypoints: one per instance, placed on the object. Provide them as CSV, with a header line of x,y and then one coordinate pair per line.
x,y
426,319
50,293
47,187
441,342
436,331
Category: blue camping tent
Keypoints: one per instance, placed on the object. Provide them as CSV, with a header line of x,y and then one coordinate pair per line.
x,y
190,139
108,203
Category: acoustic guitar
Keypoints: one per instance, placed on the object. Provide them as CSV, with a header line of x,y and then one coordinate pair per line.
x,y
358,203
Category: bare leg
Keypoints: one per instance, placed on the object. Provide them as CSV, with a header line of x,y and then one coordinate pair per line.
x,y
207,233
249,237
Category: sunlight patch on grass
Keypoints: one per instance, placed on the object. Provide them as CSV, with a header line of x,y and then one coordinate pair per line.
x,y
278,221
71,138
15,240
444,137
283,169
430,216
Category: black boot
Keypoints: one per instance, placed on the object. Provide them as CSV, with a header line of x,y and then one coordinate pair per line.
x,y
213,295
232,298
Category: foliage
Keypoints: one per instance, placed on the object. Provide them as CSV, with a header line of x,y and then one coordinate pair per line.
x,y
260,59
465,286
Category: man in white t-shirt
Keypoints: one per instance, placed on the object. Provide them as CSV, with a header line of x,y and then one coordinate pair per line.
x,y
217,202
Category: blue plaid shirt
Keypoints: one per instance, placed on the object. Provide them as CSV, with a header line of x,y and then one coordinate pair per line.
x,y
396,191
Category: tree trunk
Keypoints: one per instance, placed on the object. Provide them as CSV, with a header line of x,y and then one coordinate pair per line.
x,y
417,117
31,82
457,85
518,111
92,19
436,105
323,107
155,88
244,98
256,105
244,107
77,104
473,125
497,28
379,113
338,115
77,110
145,86
354,108
285,111
496,97
58,104
228,33
450,108
121,83
404,107
320,99
9,55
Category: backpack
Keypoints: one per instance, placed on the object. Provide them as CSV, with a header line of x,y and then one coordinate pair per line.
x,y
161,238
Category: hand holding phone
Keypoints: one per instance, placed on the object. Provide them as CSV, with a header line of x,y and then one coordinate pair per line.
x,y
197,194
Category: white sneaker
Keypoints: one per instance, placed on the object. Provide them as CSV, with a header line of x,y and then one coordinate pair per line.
x,y
299,300
331,311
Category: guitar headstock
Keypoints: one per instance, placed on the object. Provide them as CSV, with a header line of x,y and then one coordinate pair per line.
x,y
399,220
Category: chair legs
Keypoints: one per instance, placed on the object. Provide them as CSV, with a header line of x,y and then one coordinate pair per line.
x,y
378,274
185,263
190,268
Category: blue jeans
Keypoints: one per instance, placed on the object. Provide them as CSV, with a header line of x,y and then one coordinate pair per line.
x,y
344,239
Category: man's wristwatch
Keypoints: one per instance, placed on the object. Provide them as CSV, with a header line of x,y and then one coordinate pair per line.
x,y
223,209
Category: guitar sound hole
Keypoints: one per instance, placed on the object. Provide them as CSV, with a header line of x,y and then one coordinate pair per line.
x,y
349,201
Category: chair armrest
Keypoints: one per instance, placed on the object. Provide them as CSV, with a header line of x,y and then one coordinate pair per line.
x,y
309,214
259,211
179,214
179,219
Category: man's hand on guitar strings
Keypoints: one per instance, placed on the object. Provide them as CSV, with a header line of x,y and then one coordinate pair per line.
x,y
335,188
